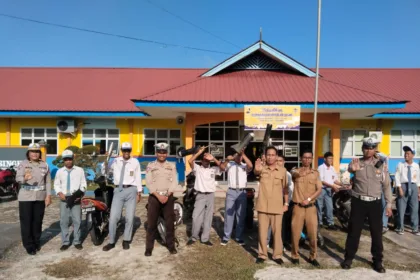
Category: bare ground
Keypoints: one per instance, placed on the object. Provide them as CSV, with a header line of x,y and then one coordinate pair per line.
x,y
197,262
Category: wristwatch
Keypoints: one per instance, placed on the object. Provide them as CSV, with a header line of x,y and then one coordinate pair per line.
x,y
309,199
287,204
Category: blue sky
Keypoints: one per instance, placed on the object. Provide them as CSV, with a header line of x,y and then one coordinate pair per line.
x,y
357,33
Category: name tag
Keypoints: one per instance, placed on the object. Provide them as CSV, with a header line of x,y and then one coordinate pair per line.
x,y
131,173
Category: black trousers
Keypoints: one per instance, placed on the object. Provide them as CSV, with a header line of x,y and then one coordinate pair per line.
x,y
359,211
286,230
154,209
31,214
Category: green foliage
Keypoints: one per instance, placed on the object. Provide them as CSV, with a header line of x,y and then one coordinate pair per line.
x,y
86,157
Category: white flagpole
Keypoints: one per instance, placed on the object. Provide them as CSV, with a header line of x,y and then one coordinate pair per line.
x,y
316,84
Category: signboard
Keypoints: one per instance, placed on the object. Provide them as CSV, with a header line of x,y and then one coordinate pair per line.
x,y
284,117
12,156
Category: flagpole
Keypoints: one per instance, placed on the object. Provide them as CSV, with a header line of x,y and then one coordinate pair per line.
x,y
316,85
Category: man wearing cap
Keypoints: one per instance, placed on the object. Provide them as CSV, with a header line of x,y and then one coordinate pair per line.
x,y
68,180
205,185
34,178
407,181
370,179
161,180
127,192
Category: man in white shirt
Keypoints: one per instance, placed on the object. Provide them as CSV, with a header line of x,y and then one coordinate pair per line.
x,y
330,184
205,185
407,182
127,192
236,198
68,180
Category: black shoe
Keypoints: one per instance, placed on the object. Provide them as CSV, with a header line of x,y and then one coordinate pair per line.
x,y
278,261
208,243
315,263
173,251
259,261
64,247
378,267
345,265
331,227
38,248
78,246
190,242
31,252
108,247
295,261
126,245
148,252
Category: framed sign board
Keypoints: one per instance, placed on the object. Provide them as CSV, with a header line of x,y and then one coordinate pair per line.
x,y
12,155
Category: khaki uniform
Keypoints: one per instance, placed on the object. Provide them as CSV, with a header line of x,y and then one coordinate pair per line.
x,y
160,178
305,186
273,184
39,186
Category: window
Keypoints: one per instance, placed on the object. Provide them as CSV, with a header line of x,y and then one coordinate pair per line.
x,y
351,142
101,138
401,138
34,135
154,136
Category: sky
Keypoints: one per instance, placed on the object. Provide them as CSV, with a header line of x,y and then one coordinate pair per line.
x,y
354,33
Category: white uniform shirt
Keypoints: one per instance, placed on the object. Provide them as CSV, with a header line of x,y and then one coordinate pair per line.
x,y
327,174
231,169
205,178
132,172
401,174
77,180
290,185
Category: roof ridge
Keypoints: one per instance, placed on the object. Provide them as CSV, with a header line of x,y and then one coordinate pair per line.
x,y
366,91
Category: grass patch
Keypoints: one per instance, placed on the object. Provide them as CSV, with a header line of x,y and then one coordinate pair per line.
x,y
69,268
219,262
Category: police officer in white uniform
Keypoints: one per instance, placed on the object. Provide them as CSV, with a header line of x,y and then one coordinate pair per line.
x,y
127,192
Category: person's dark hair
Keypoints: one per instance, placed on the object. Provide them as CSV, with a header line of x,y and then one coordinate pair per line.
x,y
27,154
271,148
328,154
306,152
283,157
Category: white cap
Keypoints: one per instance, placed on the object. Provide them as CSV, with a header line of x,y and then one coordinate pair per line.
x,y
34,147
370,142
161,146
126,145
67,154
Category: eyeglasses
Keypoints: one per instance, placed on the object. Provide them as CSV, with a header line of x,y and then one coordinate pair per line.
x,y
306,158
126,150
162,152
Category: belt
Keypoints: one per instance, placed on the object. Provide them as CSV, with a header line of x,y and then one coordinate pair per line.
x,y
33,188
305,206
366,197
204,192
237,189
162,193
127,186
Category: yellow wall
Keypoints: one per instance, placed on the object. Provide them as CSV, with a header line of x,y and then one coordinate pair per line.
x,y
3,127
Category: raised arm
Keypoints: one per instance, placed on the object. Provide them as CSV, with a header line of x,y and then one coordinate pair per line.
x,y
195,156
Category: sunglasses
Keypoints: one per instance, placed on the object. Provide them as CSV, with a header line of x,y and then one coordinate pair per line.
x,y
162,151
126,150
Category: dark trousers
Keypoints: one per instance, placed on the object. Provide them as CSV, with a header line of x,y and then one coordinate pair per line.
x,y
359,211
286,232
31,214
154,209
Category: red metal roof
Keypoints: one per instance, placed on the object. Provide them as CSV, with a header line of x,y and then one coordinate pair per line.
x,y
112,89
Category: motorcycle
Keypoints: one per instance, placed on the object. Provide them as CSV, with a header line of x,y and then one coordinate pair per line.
x,y
8,185
190,194
98,211
161,226
342,206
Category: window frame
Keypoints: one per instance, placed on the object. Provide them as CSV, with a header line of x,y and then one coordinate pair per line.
x,y
160,139
415,140
353,141
106,138
45,138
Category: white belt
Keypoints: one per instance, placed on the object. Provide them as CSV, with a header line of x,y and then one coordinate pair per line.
x,y
162,193
33,188
367,198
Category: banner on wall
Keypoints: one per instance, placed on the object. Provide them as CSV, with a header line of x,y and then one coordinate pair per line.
x,y
12,156
282,117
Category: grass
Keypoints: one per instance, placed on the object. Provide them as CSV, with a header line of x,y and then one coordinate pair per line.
x,y
218,262
69,268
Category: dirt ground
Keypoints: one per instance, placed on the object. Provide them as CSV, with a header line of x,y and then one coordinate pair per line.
x,y
402,255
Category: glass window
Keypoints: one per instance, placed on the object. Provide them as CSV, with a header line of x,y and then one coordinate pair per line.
x,y
276,134
396,134
401,138
88,133
154,136
306,134
232,133
201,133
217,124
408,134
351,142
216,133
35,135
232,123
291,135
100,133
101,139
396,148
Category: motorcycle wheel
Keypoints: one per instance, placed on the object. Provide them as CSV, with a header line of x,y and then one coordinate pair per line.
x,y
162,230
95,232
179,213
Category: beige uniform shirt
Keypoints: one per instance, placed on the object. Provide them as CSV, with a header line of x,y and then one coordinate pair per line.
x,y
39,185
305,185
371,181
273,182
161,177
